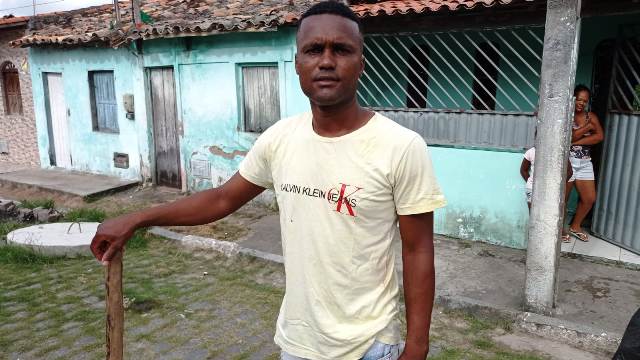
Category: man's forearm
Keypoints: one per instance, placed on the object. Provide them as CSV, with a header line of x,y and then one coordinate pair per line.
x,y
201,208
419,290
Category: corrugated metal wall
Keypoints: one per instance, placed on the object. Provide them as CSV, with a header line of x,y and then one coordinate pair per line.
x,y
511,131
617,212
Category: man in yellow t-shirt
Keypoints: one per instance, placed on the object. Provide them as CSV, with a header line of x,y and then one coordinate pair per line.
x,y
344,178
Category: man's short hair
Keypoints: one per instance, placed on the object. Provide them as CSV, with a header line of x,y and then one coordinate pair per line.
x,y
331,7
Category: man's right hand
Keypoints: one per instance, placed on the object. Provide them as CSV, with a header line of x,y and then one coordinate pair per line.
x,y
111,237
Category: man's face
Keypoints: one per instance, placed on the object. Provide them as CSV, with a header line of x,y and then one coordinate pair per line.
x,y
329,60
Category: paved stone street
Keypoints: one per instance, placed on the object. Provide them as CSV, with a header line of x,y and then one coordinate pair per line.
x,y
195,303
56,311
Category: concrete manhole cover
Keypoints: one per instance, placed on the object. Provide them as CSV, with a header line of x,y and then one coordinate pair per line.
x,y
70,239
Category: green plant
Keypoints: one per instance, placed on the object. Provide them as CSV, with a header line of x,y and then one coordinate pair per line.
x,y
18,255
9,226
139,240
35,203
86,215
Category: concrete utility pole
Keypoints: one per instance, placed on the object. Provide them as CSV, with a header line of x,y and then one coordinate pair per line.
x,y
136,13
116,10
555,115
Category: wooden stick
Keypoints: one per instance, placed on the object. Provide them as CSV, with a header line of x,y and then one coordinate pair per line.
x,y
115,309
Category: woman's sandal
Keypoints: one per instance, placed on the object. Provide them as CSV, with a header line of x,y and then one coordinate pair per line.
x,y
580,235
566,238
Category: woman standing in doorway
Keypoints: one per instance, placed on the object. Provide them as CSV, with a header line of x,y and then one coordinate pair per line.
x,y
587,132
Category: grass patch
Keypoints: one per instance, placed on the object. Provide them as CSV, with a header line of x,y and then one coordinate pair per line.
x,y
139,240
507,355
35,203
479,324
449,354
18,255
483,344
7,227
85,215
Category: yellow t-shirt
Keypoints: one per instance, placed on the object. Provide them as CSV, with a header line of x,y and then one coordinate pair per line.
x,y
339,199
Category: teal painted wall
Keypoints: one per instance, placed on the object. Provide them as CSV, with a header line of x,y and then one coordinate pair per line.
x,y
209,87
485,195
91,151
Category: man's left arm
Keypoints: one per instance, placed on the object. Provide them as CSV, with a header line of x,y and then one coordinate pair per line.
x,y
419,281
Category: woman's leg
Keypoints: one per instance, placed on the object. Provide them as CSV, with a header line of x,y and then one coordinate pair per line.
x,y
587,191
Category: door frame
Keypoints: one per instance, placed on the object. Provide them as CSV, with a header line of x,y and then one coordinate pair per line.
x,y
150,128
607,146
53,160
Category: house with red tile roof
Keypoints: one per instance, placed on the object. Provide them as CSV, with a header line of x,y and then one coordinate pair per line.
x,y
170,96
18,145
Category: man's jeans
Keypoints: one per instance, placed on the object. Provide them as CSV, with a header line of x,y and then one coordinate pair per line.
x,y
377,351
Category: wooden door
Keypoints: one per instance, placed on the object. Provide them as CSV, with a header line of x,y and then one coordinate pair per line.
x,y
57,121
165,127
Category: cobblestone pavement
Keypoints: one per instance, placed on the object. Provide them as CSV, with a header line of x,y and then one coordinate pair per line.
x,y
183,304
56,311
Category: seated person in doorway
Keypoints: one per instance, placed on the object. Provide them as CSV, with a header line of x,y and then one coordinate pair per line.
x,y
587,132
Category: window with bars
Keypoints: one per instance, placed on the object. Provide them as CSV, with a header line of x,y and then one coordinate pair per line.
x,y
11,89
260,97
104,109
494,70
417,76
485,83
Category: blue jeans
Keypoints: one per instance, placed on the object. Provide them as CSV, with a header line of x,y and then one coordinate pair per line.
x,y
377,351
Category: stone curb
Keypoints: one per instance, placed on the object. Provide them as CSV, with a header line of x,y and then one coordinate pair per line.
x,y
226,247
574,334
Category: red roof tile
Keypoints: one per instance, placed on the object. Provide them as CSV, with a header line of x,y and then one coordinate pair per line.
x,y
185,17
13,20
401,7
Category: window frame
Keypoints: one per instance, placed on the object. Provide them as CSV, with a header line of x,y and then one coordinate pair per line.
x,y
93,106
242,122
6,68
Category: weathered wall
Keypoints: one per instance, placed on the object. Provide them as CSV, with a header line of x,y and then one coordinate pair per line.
x,y
485,195
92,151
18,131
208,82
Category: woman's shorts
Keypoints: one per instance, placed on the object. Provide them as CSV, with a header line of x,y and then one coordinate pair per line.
x,y
582,169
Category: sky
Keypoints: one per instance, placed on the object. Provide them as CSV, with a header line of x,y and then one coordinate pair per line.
x,y
44,6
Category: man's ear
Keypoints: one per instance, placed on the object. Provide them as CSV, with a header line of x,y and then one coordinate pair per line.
x,y
296,63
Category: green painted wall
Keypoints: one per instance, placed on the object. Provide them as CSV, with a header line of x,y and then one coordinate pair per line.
x,y
485,194
208,81
91,151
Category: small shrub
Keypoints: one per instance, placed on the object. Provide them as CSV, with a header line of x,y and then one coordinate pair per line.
x,y
35,203
18,255
9,226
85,215
139,240
483,344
